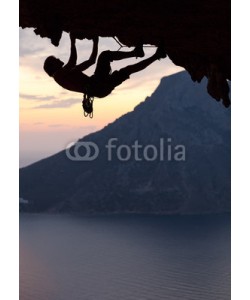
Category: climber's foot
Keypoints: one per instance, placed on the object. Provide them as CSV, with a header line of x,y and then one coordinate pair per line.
x,y
139,52
161,52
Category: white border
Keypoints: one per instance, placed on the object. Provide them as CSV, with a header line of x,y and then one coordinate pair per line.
x,y
240,150
9,117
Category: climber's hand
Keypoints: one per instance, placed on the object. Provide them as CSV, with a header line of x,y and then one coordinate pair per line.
x,y
95,39
72,36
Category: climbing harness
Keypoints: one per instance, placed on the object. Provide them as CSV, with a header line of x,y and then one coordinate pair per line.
x,y
87,105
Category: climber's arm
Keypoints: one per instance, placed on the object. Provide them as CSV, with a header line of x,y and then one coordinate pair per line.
x,y
88,63
73,54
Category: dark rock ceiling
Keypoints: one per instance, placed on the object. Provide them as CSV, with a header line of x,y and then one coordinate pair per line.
x,y
196,33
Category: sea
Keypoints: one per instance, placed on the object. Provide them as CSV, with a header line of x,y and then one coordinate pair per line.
x,y
124,257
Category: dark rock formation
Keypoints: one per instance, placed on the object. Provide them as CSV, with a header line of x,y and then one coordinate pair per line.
x,y
179,110
197,33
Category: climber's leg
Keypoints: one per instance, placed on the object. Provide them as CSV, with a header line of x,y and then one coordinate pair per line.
x,y
106,57
160,53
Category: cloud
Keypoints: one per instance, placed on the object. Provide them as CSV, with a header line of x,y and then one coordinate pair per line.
x,y
27,51
56,125
29,44
59,104
38,123
88,128
36,97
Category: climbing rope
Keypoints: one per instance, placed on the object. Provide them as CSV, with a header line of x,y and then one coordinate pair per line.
x,y
87,105
119,43
124,46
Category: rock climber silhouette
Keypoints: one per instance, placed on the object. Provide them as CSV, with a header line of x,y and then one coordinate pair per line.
x,y
71,77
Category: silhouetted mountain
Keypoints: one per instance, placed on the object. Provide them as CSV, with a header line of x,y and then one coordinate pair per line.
x,y
179,116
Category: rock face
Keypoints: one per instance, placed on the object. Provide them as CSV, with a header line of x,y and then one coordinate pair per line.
x,y
179,113
197,34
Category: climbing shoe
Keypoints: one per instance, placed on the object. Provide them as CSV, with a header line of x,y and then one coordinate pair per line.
x,y
139,52
161,52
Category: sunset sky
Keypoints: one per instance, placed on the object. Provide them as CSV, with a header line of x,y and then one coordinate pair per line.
x,y
51,117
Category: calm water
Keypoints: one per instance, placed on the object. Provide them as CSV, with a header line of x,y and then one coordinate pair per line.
x,y
124,257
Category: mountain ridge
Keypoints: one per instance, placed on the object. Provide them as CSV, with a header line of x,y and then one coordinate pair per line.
x,y
176,110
